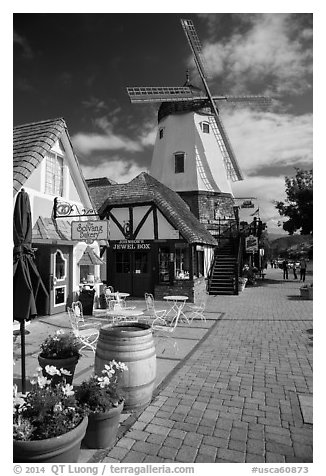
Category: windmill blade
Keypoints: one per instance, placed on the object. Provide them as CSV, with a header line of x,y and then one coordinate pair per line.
x,y
195,46
163,94
230,162
260,100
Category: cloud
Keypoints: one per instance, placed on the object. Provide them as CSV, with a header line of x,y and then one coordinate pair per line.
x,y
272,49
266,190
116,169
108,140
24,45
86,143
264,139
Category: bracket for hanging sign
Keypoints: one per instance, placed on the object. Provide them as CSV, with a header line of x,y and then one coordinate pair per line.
x,y
63,209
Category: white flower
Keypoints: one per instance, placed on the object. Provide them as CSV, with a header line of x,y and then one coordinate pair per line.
x,y
57,407
42,381
51,370
65,372
68,390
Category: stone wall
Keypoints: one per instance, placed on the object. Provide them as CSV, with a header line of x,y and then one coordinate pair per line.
x,y
193,289
209,206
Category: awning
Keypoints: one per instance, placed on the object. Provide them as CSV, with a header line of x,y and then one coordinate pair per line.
x,y
90,258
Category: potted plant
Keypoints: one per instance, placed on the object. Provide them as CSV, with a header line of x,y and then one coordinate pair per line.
x,y
48,422
242,283
306,291
61,350
101,399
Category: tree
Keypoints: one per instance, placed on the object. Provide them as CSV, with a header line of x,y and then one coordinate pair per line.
x,y
299,203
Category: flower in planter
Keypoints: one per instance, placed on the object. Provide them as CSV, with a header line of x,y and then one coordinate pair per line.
x,y
61,345
100,393
306,286
45,411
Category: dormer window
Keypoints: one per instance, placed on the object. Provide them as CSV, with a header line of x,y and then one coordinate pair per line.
x,y
179,162
205,127
54,175
161,133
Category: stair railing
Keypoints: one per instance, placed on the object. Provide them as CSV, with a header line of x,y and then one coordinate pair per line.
x,y
210,271
238,264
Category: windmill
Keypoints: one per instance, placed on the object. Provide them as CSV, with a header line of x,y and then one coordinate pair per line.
x,y
215,166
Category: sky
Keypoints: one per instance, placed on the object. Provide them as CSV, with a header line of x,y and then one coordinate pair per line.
x,y
78,65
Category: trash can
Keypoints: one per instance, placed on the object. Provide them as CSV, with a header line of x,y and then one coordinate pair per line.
x,y
86,297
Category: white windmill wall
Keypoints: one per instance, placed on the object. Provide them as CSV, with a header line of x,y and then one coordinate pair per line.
x,y
204,167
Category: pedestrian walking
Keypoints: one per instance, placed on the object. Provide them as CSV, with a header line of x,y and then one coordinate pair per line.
x,y
295,276
285,267
303,268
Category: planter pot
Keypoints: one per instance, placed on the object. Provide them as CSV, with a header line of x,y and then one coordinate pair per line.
x,y
306,293
59,449
102,428
67,364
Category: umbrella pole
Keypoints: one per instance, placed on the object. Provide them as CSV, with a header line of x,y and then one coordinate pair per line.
x,y
22,342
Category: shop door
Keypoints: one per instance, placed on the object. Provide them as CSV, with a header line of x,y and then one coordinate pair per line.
x,y
133,273
122,279
59,279
142,279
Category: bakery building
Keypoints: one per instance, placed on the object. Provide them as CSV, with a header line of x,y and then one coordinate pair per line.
x,y
45,165
155,244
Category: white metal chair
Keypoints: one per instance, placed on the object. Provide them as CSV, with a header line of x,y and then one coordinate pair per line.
x,y
77,309
87,337
197,311
161,328
151,311
110,297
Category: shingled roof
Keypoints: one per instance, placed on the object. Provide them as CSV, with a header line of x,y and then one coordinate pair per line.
x,y
145,189
31,143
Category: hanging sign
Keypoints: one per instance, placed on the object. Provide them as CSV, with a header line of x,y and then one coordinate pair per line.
x,y
251,244
90,231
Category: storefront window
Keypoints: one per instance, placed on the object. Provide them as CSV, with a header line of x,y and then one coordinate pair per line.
x,y
85,270
141,262
199,264
123,263
163,258
181,261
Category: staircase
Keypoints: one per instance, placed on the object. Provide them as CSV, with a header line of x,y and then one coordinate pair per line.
x,y
223,273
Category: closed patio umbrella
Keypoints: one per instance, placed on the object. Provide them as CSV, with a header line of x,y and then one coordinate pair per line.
x,y
27,282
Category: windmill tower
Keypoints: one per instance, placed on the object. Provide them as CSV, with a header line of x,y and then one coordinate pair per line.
x,y
192,153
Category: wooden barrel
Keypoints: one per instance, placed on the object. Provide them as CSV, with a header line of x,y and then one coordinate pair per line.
x,y
133,344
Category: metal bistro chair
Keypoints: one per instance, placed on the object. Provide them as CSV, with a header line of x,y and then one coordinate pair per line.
x,y
87,336
197,311
151,311
161,328
110,297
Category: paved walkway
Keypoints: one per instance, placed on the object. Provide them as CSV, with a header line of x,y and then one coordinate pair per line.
x,y
235,399
241,394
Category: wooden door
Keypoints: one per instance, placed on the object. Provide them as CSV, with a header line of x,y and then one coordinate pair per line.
x,y
142,280
59,279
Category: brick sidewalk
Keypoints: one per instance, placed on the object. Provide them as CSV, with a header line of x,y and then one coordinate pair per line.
x,y
235,398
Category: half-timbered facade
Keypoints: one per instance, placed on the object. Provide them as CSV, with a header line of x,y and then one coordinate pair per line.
x,y
156,244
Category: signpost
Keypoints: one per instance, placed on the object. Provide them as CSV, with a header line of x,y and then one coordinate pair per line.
x,y
251,244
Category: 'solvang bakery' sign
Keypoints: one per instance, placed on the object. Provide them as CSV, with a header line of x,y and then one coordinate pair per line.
x,y
90,231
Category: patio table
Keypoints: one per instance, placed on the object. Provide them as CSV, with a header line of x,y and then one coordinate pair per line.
x,y
177,304
124,314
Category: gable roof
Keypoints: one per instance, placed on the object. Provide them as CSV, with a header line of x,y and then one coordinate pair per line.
x,y
31,143
143,189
